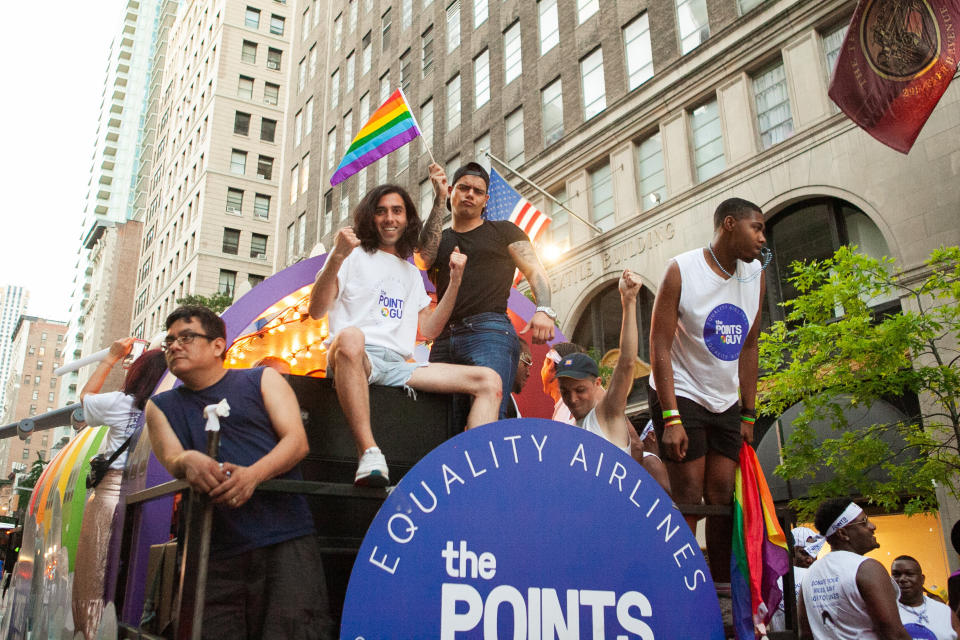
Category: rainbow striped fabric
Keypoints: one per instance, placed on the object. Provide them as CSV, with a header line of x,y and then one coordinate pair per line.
x,y
759,554
389,128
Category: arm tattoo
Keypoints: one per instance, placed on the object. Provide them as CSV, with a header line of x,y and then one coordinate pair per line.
x,y
526,260
429,240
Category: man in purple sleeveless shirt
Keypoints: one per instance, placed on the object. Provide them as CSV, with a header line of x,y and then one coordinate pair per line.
x,y
265,576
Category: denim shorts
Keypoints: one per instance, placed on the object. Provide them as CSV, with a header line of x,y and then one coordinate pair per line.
x,y
387,367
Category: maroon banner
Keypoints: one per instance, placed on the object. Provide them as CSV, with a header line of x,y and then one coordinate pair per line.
x,y
897,59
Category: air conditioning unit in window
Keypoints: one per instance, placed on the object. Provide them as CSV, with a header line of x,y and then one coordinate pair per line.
x,y
260,256
234,210
273,65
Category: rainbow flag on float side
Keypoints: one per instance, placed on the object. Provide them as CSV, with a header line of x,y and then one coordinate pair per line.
x,y
389,128
759,554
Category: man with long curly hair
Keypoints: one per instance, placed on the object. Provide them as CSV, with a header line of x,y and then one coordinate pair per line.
x,y
375,300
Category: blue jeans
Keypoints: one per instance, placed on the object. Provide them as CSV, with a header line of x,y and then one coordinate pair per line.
x,y
487,340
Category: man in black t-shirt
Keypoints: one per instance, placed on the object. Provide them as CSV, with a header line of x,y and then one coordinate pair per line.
x,y
479,331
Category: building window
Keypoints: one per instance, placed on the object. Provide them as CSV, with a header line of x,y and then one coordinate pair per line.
x,y
241,123
452,165
238,162
453,103
352,14
366,53
36,394
385,23
480,145
308,117
290,236
261,206
426,197
481,78
265,167
773,105
601,197
39,365
693,25
585,9
231,241
298,127
268,129
245,88
349,71
294,185
405,70
453,25
426,121
427,49
227,282
594,91
348,128
301,232
313,60
551,101
480,12
331,148
276,24
271,93
403,158
304,172
406,13
559,229
234,201
273,58
335,88
514,137
636,44
832,43
255,279
252,18
707,141
248,52
511,47
258,246
337,32
651,179
747,5
549,25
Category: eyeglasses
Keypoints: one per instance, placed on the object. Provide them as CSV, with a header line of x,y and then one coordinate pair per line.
x,y
525,359
857,523
183,339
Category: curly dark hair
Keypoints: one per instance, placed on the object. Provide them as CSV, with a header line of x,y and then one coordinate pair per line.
x,y
143,376
829,511
366,229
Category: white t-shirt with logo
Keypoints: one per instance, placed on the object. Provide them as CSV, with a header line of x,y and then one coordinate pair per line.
x,y
930,619
115,410
381,295
713,319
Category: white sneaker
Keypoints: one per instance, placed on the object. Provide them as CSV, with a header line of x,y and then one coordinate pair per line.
x,y
372,470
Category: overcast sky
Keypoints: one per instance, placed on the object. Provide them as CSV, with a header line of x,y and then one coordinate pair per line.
x,y
54,62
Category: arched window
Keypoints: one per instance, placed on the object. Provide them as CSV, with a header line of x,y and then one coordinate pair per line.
x,y
813,230
599,329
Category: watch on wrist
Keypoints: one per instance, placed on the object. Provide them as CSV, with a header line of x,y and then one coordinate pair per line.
x,y
549,311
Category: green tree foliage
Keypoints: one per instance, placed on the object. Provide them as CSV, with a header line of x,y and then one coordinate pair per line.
x,y
217,302
833,350
27,482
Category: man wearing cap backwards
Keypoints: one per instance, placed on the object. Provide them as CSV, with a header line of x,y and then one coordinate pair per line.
x,y
845,595
703,356
479,331
922,616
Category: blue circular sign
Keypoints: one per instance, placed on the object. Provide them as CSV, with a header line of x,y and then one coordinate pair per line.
x,y
725,330
529,529
919,632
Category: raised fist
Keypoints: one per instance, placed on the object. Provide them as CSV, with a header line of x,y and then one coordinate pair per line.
x,y
458,262
630,284
345,242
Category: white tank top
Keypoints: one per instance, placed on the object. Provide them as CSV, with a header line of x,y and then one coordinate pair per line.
x,y
591,424
835,608
932,616
713,319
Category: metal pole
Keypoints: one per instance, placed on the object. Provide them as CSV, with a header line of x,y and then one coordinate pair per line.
x,y
533,184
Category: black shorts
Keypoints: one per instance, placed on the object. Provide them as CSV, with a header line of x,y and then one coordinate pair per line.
x,y
706,430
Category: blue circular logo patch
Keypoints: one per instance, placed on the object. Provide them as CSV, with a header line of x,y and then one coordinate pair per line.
x,y
919,632
529,529
725,330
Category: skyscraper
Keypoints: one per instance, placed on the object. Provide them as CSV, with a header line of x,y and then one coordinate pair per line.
x,y
13,304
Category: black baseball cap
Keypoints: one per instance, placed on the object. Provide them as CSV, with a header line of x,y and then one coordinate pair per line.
x,y
577,365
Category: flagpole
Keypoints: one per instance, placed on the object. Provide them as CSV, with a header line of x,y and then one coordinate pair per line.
x,y
417,125
533,184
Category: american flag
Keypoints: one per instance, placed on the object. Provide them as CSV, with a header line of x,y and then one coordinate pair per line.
x,y
506,204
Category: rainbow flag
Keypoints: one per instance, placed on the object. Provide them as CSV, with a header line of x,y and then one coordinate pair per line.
x,y
389,128
759,555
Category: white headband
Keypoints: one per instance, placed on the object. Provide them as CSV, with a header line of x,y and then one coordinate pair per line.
x,y
849,515
553,355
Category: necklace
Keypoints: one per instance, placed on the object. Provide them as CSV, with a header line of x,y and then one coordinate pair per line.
x,y
767,257
921,614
